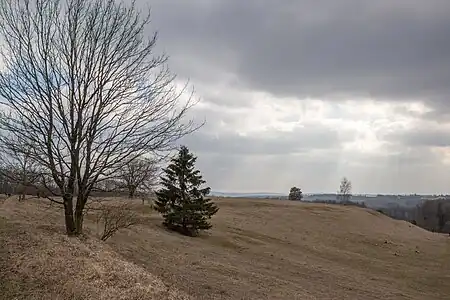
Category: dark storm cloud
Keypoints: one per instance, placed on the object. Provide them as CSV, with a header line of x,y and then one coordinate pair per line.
x,y
385,49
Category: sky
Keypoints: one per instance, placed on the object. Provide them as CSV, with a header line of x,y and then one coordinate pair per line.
x,y
304,92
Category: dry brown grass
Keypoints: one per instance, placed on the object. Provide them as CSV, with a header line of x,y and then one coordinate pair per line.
x,y
257,249
37,261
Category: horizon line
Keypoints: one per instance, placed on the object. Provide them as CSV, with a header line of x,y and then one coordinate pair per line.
x,y
334,193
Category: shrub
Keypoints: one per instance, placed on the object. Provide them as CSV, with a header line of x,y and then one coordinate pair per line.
x,y
113,217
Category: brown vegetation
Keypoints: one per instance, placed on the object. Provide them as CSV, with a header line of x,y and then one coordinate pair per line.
x,y
257,249
112,217
37,261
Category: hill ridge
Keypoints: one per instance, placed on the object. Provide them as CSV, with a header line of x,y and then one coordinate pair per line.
x,y
257,249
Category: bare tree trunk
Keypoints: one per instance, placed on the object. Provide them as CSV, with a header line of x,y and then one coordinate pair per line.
x,y
73,218
79,221
79,209
68,213
131,192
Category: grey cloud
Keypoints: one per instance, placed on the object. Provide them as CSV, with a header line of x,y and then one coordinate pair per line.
x,y
217,119
389,50
421,137
441,111
409,171
407,158
271,173
270,143
385,49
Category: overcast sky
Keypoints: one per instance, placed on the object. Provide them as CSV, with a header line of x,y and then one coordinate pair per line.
x,y
303,92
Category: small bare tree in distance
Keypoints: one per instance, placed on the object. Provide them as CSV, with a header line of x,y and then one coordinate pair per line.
x,y
82,88
19,169
345,190
140,174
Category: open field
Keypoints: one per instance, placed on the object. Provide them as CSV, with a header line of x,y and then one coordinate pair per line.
x,y
258,249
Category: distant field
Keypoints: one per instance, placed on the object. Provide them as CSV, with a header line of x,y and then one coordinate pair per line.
x,y
258,249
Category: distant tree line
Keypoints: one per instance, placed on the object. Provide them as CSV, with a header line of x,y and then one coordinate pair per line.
x,y
15,180
133,179
432,215
346,203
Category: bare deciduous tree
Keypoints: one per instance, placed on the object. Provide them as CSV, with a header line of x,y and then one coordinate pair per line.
x,y
19,168
345,190
82,88
140,174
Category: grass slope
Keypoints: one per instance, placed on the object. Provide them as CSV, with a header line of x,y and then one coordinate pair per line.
x,y
37,261
258,249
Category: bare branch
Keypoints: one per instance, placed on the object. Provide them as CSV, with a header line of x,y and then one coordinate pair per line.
x,y
84,91
53,200
138,175
18,169
112,217
345,190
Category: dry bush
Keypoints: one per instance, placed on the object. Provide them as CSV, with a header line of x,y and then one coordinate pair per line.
x,y
111,217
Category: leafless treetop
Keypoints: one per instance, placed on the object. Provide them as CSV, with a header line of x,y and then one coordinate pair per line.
x,y
82,88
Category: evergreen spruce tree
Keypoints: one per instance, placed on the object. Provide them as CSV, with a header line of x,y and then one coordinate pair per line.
x,y
295,194
181,200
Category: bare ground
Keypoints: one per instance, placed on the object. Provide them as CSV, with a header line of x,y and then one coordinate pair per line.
x,y
258,249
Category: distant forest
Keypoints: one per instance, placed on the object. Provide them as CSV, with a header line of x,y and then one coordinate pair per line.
x,y
432,215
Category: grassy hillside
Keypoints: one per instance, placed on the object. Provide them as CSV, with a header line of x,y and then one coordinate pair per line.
x,y
258,249
37,261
